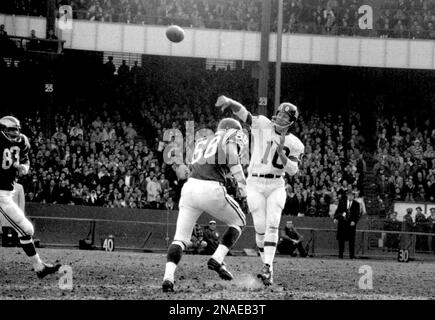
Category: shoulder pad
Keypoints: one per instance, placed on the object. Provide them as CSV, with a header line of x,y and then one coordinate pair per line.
x,y
261,121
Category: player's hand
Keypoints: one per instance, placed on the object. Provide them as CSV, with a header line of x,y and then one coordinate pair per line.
x,y
223,102
282,141
242,190
352,223
20,168
335,221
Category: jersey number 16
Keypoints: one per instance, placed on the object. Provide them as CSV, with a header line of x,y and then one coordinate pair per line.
x,y
275,157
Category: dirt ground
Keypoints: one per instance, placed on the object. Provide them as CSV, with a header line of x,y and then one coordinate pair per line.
x,y
132,275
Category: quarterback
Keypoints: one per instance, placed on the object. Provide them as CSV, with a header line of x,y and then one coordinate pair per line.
x,y
213,159
14,149
275,151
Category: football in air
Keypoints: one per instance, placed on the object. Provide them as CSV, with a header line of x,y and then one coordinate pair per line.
x,y
175,33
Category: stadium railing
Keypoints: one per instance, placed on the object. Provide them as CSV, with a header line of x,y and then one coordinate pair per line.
x,y
154,236
37,44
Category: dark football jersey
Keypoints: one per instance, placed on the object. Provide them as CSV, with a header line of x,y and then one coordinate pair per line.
x,y
10,154
210,161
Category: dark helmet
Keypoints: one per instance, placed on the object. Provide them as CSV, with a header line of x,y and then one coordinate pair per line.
x,y
286,115
10,128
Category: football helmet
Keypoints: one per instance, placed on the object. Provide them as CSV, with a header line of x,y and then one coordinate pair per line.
x,y
286,115
234,129
10,127
229,123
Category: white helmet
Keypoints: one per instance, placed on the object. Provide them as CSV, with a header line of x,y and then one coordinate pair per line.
x,y
10,127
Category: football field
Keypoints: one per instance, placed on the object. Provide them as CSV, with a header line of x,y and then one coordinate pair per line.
x,y
134,275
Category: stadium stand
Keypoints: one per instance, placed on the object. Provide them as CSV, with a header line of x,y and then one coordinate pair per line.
x,y
394,19
105,158
405,160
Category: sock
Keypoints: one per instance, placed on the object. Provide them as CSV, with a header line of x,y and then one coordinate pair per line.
x,y
29,248
261,254
170,271
37,262
259,238
220,253
231,236
270,242
175,252
269,255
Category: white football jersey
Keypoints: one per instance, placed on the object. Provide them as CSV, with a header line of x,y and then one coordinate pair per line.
x,y
265,141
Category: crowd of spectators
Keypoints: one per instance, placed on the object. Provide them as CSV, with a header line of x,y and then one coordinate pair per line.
x,y
101,158
97,161
407,19
108,158
405,159
395,19
332,164
420,224
115,155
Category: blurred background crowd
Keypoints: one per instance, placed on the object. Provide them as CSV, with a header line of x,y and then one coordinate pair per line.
x,y
393,18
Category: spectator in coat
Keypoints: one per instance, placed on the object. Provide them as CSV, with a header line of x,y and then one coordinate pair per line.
x,y
392,224
346,217
431,226
50,192
407,226
421,225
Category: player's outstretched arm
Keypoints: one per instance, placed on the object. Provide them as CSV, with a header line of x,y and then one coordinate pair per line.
x,y
238,109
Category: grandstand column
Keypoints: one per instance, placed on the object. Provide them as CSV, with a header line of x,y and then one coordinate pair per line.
x,y
278,57
264,57
51,16
49,91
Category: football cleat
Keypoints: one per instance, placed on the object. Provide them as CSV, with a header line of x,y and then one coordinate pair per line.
x,y
167,286
266,275
48,269
221,270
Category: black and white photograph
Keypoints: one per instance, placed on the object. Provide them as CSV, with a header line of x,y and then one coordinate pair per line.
x,y
217,155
